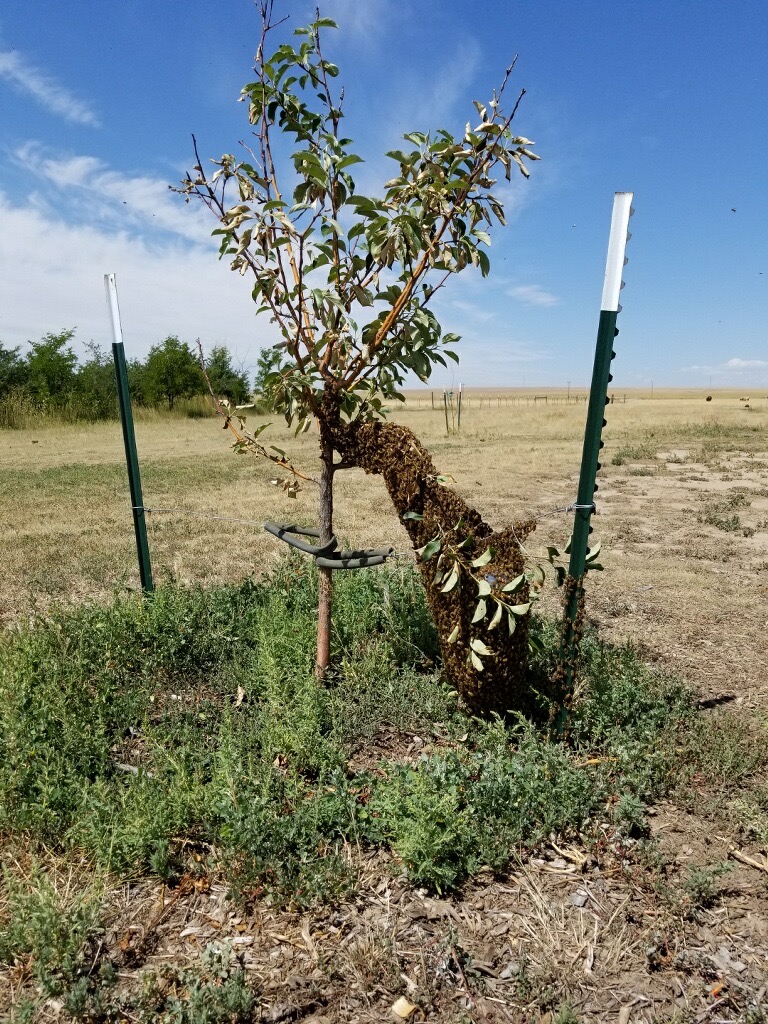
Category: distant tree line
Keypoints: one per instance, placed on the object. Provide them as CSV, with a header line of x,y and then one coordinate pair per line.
x,y
49,379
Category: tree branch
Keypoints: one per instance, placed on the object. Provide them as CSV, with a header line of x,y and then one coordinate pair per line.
x,y
243,437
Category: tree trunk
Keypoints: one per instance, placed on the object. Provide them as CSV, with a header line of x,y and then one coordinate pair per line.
x,y
325,576
394,452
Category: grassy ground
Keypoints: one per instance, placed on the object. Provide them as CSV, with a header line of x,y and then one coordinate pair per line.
x,y
194,830
66,490
188,741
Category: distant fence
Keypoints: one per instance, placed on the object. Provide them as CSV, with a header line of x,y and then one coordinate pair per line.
x,y
434,400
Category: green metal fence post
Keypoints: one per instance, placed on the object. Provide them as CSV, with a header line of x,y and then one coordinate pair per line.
x,y
590,464
129,439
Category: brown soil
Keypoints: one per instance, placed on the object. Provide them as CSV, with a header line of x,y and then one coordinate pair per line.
x,y
591,927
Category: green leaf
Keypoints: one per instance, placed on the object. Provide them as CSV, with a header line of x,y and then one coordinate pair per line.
x,y
560,574
476,662
552,553
593,552
537,575
454,634
413,515
362,295
479,647
479,611
453,579
349,160
594,565
483,588
511,622
534,644
515,584
496,617
430,549
520,609
484,559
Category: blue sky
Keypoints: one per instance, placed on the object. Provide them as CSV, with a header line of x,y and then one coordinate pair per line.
x,y
665,98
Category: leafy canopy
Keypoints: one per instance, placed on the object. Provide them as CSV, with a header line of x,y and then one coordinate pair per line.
x,y
51,365
225,380
348,278
171,372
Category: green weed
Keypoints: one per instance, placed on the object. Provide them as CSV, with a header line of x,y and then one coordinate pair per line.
x,y
630,453
214,991
566,1014
50,925
751,813
727,749
702,886
721,514
473,806
188,733
193,721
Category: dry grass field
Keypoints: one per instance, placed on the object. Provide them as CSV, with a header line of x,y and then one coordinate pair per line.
x,y
683,511
683,520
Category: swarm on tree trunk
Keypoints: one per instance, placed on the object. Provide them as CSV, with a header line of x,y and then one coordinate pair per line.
x,y
395,453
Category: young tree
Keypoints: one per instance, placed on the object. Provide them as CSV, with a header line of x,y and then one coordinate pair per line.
x,y
95,383
348,280
224,379
51,367
136,381
14,371
172,372
266,376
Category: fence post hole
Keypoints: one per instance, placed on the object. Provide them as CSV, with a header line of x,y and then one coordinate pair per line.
x,y
129,439
598,399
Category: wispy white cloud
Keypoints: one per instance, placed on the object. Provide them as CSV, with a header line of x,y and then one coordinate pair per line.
x,y
496,361
734,371
93,191
368,23
533,295
747,364
20,73
53,277
473,310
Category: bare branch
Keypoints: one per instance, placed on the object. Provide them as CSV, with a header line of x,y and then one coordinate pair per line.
x,y
243,437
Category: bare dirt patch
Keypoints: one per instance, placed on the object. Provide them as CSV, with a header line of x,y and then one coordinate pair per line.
x,y
590,929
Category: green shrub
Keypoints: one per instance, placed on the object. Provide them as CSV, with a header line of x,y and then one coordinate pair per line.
x,y
193,721
455,811
50,927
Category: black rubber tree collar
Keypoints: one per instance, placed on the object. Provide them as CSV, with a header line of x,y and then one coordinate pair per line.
x,y
326,556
